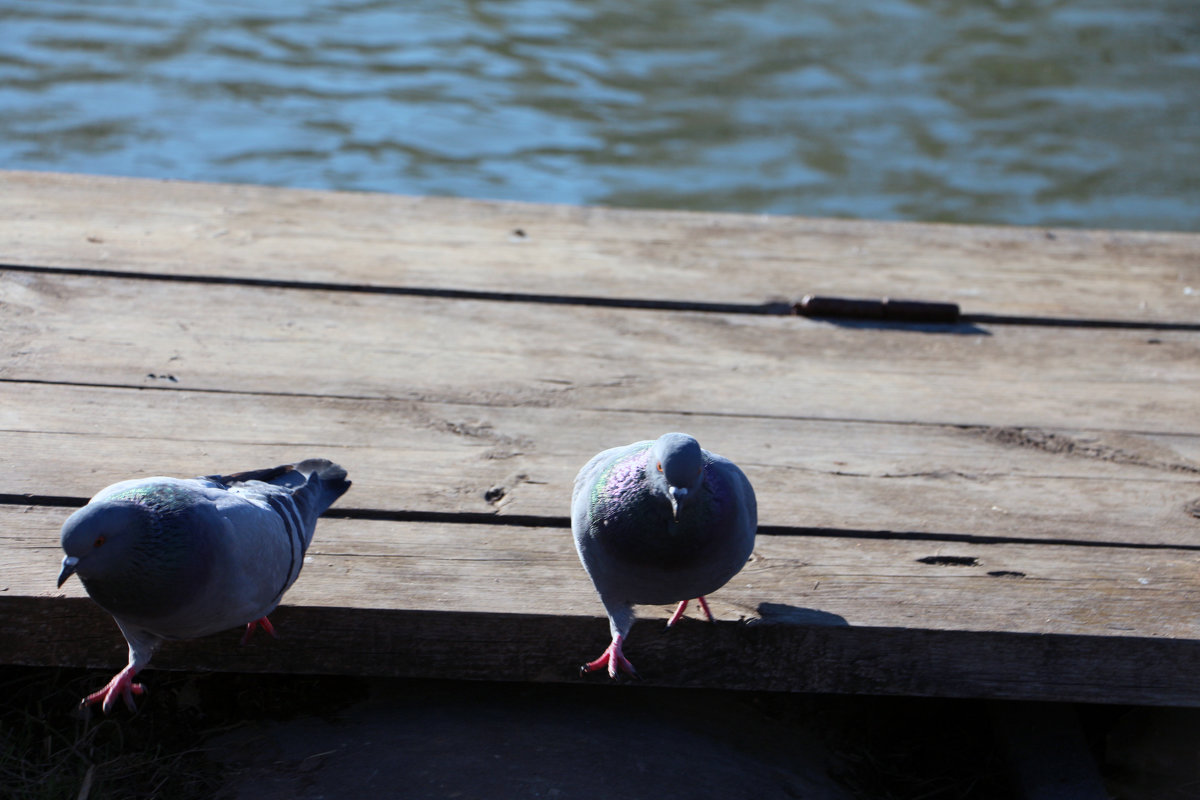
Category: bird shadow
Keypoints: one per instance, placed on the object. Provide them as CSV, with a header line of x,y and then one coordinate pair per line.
x,y
783,613
954,328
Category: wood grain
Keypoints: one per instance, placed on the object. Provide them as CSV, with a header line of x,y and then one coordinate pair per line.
x,y
75,329
413,456
986,509
818,614
175,227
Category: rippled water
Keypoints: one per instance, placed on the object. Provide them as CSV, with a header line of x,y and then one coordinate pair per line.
x,y
1083,113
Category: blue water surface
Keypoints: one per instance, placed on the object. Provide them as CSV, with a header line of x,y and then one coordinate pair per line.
x,y
1011,111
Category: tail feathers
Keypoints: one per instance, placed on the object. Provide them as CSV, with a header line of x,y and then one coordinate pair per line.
x,y
325,483
277,475
325,470
314,483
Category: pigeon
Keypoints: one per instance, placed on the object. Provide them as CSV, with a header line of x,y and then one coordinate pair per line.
x,y
659,522
174,558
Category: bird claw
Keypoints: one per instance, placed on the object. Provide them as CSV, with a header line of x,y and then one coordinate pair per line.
x,y
122,686
612,658
626,667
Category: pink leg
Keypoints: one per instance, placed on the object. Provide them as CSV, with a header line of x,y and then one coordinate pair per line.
x,y
121,685
261,622
613,658
679,609
683,604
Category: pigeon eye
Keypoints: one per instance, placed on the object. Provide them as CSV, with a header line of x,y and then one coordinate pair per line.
x,y
660,466
99,541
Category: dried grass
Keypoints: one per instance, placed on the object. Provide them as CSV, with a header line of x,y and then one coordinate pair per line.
x,y
50,748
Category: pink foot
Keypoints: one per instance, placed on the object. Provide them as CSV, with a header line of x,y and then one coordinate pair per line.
x,y
683,604
613,658
261,622
122,686
679,609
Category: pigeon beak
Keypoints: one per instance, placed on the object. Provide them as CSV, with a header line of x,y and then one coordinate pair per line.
x,y
68,569
677,495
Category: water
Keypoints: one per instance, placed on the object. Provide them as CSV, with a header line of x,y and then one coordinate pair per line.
x,y
1070,112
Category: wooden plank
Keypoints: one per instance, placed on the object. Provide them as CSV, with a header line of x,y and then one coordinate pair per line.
x,y
127,332
810,614
446,458
225,230
998,510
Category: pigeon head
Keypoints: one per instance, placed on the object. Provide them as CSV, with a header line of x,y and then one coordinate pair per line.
x,y
99,538
676,469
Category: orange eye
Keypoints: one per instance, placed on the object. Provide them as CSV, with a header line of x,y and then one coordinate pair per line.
x,y
99,541
660,466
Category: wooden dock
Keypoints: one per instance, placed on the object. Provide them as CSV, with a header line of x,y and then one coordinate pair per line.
x,y
1006,506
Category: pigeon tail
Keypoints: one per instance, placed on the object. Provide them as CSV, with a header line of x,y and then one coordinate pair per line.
x,y
326,482
315,483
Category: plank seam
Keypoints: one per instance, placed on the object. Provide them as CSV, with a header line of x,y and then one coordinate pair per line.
x,y
768,308
554,522
966,322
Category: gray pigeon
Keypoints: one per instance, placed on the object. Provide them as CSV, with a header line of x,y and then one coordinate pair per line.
x,y
657,523
179,559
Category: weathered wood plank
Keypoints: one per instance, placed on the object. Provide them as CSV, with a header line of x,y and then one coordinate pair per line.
x,y
1005,511
825,614
446,458
129,332
225,230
